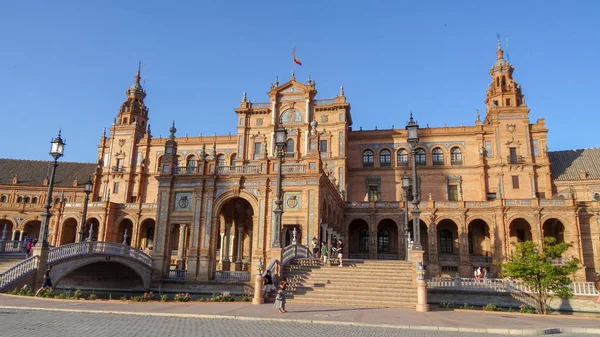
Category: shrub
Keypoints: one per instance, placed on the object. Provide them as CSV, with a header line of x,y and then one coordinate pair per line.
x,y
61,296
524,308
15,291
222,297
92,297
46,293
466,306
149,296
124,298
491,307
77,294
182,297
164,297
246,296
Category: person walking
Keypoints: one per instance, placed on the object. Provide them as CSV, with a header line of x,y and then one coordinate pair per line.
x,y
340,252
280,299
316,247
324,252
268,287
47,281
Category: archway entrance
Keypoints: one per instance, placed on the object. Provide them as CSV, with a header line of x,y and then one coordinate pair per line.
x,y
69,233
124,232
91,223
387,240
554,228
358,239
32,229
234,241
424,237
6,230
480,245
147,234
288,234
520,230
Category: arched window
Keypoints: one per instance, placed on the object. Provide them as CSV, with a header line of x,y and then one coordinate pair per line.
x,y
368,158
596,196
456,156
470,239
34,200
385,158
438,157
402,157
220,160
290,148
3,198
420,157
19,199
191,161
446,245
383,241
232,159
363,240
27,200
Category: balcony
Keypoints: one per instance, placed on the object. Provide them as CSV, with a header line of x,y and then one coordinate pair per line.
x,y
403,163
293,168
456,162
479,259
260,105
437,163
185,170
515,159
118,169
233,170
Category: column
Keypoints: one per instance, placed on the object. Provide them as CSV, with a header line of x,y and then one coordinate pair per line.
x,y
225,247
240,239
222,238
250,246
181,245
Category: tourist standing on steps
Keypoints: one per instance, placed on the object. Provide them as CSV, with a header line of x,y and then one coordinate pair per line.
x,y
47,281
280,299
340,250
269,287
316,247
324,252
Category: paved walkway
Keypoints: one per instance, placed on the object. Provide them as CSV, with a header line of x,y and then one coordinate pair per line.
x,y
439,319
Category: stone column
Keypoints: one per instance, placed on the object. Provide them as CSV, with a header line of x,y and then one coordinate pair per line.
x,y
181,247
240,239
225,247
222,238
250,246
14,234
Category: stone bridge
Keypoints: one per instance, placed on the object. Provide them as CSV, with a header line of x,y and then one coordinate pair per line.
x,y
68,258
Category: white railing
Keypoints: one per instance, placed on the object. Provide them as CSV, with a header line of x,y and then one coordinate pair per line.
x,y
176,274
67,251
238,276
501,285
294,251
14,246
18,271
60,253
244,169
293,168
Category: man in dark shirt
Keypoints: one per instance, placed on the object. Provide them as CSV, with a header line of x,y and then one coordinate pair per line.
x,y
47,281
339,250
268,287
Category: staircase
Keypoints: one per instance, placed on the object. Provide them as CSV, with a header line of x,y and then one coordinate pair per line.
x,y
368,283
7,261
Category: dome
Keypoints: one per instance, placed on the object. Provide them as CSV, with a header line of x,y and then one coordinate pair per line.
x,y
501,62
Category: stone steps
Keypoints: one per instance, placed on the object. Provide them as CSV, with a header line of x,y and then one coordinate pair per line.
x,y
359,283
8,261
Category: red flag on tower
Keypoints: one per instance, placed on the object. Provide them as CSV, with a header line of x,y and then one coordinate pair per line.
x,y
295,59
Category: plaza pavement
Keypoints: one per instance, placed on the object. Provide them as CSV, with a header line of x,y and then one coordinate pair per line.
x,y
435,320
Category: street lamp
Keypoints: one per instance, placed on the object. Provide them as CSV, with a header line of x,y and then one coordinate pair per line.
x,y
57,149
406,186
280,143
412,129
87,189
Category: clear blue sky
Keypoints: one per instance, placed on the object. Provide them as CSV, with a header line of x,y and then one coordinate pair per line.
x,y
67,64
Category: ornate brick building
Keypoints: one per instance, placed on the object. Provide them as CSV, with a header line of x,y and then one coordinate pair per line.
x,y
206,203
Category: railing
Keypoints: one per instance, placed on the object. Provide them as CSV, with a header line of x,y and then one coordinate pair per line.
x,y
237,276
456,162
294,251
185,170
480,259
273,267
515,159
438,163
501,285
260,105
60,253
245,169
325,155
402,163
118,169
176,274
324,101
448,258
13,246
293,168
18,271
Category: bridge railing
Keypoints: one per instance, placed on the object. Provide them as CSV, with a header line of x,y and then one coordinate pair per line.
x,y
12,246
18,271
67,251
108,248
294,251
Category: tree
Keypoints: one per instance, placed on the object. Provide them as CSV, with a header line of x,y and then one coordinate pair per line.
x,y
537,270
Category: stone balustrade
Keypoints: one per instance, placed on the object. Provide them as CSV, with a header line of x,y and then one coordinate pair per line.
x,y
20,270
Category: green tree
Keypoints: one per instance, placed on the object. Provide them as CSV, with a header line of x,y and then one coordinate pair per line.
x,y
536,270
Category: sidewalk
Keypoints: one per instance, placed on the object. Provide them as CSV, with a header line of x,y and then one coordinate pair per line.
x,y
439,319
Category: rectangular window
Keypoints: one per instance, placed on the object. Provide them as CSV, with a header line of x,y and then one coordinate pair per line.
x,y
373,193
257,148
116,187
536,146
508,102
513,154
323,146
515,181
341,143
452,193
242,121
489,149
106,159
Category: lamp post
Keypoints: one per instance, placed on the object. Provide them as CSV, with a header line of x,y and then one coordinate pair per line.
x,y
280,143
87,189
57,149
406,187
413,139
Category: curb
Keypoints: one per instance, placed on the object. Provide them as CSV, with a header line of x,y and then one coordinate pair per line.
x,y
547,331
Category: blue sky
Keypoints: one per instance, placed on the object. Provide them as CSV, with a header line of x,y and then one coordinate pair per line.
x,y
67,64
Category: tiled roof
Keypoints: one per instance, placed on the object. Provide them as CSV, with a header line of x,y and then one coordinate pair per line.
x,y
33,172
567,165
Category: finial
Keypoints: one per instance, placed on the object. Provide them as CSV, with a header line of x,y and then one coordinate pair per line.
x,y
148,128
104,132
276,81
244,97
499,46
341,90
309,80
115,121
411,117
477,117
138,75
172,130
499,52
293,78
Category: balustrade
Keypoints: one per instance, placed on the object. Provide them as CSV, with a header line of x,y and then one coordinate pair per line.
x,y
293,168
176,274
18,271
238,276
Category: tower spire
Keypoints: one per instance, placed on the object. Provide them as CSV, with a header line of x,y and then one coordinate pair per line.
x,y
499,52
138,75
